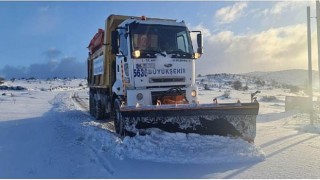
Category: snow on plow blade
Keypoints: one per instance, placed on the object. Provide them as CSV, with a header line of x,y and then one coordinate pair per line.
x,y
231,119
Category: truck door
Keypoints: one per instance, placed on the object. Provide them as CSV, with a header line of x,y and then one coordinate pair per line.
x,y
122,65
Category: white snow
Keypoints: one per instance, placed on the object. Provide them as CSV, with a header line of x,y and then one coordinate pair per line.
x,y
44,133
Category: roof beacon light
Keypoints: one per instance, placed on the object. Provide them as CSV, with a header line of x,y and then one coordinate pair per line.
x,y
143,18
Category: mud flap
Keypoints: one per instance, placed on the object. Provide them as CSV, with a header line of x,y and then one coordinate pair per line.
x,y
231,119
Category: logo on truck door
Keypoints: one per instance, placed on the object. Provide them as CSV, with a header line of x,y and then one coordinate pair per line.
x,y
172,71
145,69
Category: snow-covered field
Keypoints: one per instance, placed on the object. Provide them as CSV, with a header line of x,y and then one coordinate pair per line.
x,y
45,133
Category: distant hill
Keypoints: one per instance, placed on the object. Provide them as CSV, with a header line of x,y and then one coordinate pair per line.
x,y
297,77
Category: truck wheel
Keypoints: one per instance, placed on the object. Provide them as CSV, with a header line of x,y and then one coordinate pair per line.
x,y
118,121
91,105
99,110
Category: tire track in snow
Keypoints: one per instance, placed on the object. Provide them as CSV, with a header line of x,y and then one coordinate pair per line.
x,y
102,160
84,106
279,145
104,124
284,133
76,119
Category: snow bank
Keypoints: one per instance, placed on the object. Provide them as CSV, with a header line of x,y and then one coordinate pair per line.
x,y
183,148
159,146
269,99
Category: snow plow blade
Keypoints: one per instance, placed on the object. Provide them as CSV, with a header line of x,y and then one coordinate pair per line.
x,y
231,119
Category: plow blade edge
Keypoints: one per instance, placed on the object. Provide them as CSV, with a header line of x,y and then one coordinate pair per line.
x,y
231,119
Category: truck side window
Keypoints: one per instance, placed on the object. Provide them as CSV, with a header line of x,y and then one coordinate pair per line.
x,y
123,43
181,43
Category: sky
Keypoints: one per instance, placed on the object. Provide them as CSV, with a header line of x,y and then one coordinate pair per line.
x,y
44,39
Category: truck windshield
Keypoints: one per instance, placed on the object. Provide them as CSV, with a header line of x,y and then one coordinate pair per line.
x,y
160,39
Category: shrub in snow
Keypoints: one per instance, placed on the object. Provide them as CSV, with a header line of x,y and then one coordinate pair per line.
x,y
260,83
1,80
206,87
228,83
4,87
275,84
236,85
268,98
226,94
19,88
292,88
245,88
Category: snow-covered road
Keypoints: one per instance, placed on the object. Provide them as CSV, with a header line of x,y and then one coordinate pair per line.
x,y
46,134
289,152
42,146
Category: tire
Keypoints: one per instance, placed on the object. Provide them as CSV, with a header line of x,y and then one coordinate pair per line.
x,y
91,105
104,101
99,110
118,121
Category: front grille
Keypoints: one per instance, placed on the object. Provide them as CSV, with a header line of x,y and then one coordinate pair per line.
x,y
165,80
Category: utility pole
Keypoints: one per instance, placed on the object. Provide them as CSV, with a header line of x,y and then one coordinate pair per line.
x,y
310,65
318,35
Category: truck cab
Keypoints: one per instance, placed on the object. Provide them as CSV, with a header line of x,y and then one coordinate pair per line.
x,y
155,62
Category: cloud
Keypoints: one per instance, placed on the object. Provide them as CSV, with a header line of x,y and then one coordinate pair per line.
x,y
10,71
55,66
269,50
283,7
52,53
70,67
229,14
66,67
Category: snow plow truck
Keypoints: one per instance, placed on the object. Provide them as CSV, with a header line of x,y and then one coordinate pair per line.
x,y
141,74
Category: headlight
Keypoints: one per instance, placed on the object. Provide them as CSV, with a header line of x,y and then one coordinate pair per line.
x,y
136,53
139,96
193,93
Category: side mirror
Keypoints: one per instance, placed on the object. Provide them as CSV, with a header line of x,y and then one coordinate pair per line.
x,y
200,43
115,42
